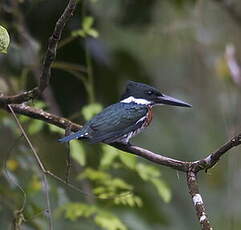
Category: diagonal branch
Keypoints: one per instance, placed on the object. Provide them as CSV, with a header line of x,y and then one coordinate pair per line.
x,y
47,61
53,43
209,161
18,98
184,166
40,114
154,157
191,168
41,167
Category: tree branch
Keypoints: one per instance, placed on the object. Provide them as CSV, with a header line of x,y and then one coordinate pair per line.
x,y
18,98
154,157
184,166
39,114
191,168
48,60
53,43
197,200
212,159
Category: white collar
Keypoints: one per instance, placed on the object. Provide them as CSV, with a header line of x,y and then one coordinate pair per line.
x,y
139,101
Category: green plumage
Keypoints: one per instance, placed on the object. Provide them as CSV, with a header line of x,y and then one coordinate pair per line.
x,y
112,124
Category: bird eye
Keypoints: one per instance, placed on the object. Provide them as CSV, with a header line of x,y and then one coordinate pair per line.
x,y
149,92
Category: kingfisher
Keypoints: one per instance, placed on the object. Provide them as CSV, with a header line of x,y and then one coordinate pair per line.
x,y
121,121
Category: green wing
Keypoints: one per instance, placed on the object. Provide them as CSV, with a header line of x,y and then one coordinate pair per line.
x,y
115,121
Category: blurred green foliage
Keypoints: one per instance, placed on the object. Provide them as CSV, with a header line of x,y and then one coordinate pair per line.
x,y
86,29
4,40
179,47
102,218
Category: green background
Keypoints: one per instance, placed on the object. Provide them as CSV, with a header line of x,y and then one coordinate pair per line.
x,y
178,47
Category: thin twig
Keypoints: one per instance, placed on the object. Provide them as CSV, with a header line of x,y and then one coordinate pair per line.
x,y
18,214
48,60
41,167
68,66
68,160
28,42
47,172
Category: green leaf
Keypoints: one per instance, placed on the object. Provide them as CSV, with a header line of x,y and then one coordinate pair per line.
x,y
146,172
117,183
23,118
78,33
128,199
106,186
162,188
109,222
73,211
93,33
90,110
99,190
35,126
77,152
86,29
152,174
128,160
102,218
109,155
87,23
4,40
40,104
94,175
56,129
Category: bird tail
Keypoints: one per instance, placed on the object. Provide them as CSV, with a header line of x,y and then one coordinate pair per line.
x,y
79,134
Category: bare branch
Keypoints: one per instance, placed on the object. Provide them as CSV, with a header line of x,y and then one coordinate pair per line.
x,y
154,157
48,60
41,167
65,124
209,161
203,164
197,200
68,160
45,116
53,43
19,98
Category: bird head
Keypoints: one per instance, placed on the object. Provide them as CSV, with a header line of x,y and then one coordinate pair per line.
x,y
141,93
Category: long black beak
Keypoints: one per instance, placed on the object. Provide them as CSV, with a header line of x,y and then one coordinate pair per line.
x,y
164,99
